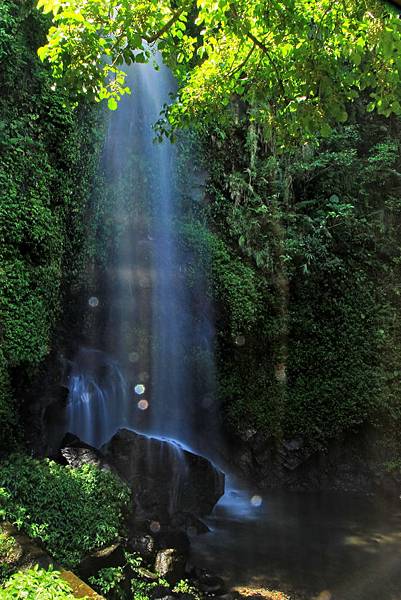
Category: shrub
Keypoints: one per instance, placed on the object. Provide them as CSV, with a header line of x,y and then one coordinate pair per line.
x,y
72,511
34,584
108,581
143,584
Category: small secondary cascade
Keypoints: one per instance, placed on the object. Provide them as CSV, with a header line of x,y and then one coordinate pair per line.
x,y
95,381
138,370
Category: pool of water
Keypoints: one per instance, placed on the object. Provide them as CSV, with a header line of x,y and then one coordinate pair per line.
x,y
331,546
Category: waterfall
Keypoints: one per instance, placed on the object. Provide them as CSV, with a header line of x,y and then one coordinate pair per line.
x,y
140,374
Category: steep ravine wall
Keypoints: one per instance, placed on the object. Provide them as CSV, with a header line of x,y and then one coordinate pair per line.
x,y
49,155
327,412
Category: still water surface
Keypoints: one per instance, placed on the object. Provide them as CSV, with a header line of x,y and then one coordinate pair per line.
x,y
336,546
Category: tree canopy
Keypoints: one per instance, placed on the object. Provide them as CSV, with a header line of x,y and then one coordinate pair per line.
x,y
297,63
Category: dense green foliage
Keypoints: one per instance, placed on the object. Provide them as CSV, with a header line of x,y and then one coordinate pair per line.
x,y
303,255
322,224
72,511
296,63
131,581
47,160
36,583
301,248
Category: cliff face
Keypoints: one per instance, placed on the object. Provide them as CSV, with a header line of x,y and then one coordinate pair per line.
x,y
48,157
318,363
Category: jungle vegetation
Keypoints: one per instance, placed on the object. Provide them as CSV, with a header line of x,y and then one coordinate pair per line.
x,y
294,108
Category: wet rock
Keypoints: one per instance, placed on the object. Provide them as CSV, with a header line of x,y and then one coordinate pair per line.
x,y
146,574
247,434
164,478
293,453
170,564
352,462
111,556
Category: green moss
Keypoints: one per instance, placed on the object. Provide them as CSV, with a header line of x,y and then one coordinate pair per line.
x,y
232,283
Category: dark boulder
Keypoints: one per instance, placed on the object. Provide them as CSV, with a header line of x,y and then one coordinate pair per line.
x,y
169,537
165,478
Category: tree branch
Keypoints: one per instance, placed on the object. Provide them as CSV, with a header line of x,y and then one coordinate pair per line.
x,y
246,30
266,51
243,63
175,16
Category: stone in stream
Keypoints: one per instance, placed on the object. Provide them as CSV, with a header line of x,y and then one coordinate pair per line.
x,y
209,583
170,564
189,523
165,478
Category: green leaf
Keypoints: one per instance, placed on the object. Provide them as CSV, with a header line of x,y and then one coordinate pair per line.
x,y
112,103
325,130
42,52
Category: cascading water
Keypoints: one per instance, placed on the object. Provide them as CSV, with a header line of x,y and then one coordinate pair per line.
x,y
141,374
95,381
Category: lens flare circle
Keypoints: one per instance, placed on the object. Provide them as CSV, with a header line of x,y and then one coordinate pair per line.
x,y
256,500
93,302
155,526
133,357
